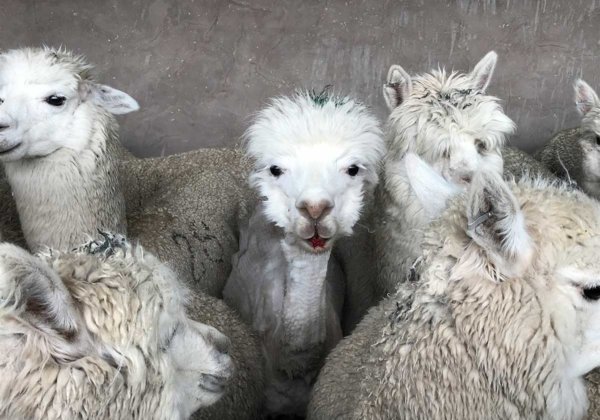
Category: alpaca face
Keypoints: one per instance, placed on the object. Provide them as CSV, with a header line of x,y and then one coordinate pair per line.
x,y
531,247
115,325
48,101
588,106
447,120
315,158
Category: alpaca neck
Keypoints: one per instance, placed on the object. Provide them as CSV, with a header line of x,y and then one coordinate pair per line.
x,y
305,299
65,197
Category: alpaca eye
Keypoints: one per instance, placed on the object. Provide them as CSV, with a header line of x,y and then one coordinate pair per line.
x,y
55,100
481,147
593,293
597,138
275,171
1,101
352,170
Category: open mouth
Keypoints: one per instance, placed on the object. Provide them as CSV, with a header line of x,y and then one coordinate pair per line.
x,y
10,149
317,242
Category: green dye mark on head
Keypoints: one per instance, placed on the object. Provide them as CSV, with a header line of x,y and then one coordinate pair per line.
x,y
325,96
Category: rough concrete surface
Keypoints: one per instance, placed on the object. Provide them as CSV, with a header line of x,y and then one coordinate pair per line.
x,y
199,68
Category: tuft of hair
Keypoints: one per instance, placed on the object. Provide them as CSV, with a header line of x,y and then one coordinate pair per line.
x,y
325,96
309,118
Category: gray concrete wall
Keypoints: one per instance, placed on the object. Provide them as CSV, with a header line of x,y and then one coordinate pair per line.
x,y
199,68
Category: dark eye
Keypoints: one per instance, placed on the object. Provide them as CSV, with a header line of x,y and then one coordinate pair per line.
x,y
593,293
481,147
55,100
275,171
1,101
352,170
597,138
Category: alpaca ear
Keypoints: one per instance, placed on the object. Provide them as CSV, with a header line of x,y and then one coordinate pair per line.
x,y
397,88
497,225
483,71
35,293
585,97
432,189
111,99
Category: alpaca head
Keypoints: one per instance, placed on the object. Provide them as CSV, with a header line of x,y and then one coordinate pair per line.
x,y
49,100
531,247
588,106
316,155
112,331
447,119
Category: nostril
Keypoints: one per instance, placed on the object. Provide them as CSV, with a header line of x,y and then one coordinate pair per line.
x,y
466,179
3,127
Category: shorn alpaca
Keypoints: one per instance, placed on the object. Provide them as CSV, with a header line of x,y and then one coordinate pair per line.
x,y
315,157
500,322
62,156
101,332
449,121
574,154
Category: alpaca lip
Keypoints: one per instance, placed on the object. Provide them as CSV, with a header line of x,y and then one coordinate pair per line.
x,y
213,383
10,149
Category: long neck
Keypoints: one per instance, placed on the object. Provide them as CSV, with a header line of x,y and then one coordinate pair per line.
x,y
65,197
305,300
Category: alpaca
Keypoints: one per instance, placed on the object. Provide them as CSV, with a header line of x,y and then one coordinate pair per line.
x,y
183,207
65,187
449,121
101,332
574,154
315,159
500,320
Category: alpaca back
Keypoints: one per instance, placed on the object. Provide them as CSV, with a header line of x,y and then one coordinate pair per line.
x,y
563,155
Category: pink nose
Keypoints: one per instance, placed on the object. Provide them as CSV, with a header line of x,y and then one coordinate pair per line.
x,y
316,209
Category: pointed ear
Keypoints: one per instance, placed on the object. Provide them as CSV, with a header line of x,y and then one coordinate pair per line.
x,y
432,189
496,224
585,97
397,87
35,294
483,71
112,100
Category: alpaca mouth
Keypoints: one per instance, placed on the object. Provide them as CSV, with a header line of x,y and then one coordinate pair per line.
x,y
317,242
213,383
10,149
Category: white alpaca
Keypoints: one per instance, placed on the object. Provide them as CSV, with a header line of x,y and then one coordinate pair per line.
x,y
500,322
101,332
449,121
60,148
57,136
574,154
315,158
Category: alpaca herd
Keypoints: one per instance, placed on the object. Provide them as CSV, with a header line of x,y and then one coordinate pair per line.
x,y
328,270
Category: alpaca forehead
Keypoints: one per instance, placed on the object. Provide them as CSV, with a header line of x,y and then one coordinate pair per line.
x,y
38,69
450,126
440,81
325,153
